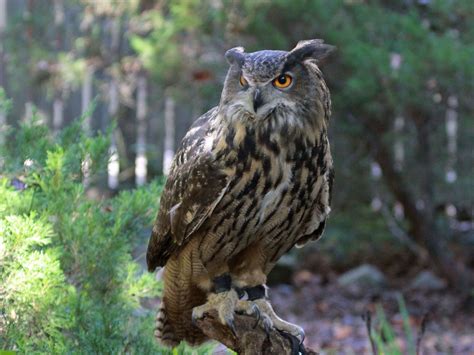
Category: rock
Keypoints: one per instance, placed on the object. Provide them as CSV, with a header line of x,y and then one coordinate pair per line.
x,y
305,277
364,277
427,281
342,331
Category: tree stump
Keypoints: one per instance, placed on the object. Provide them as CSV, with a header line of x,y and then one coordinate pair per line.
x,y
251,338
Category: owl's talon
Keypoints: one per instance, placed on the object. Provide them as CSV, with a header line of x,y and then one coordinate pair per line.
x,y
194,318
267,324
296,346
302,335
223,302
249,308
272,321
256,313
231,325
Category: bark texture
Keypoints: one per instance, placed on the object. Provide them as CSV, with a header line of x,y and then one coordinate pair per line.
x,y
251,338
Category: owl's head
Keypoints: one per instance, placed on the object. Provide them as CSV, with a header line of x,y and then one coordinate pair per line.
x,y
261,84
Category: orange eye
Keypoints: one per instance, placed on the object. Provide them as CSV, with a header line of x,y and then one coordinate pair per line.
x,y
283,81
243,82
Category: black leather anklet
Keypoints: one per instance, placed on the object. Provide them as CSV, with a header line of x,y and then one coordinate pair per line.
x,y
253,293
221,283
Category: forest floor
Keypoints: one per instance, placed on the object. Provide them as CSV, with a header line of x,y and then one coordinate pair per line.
x,y
332,316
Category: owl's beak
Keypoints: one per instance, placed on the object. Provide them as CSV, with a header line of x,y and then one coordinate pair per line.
x,y
257,99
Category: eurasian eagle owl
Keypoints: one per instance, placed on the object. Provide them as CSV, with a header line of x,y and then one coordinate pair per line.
x,y
251,179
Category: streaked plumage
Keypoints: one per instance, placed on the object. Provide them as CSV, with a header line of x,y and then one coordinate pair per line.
x,y
251,179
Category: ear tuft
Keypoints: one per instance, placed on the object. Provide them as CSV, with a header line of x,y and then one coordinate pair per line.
x,y
310,49
235,55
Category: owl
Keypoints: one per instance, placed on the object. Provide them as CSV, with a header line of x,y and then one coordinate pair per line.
x,y
251,180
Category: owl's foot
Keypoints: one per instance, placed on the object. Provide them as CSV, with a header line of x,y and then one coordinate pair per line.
x,y
257,296
271,321
249,308
224,303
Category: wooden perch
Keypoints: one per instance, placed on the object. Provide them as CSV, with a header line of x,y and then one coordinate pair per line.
x,y
251,339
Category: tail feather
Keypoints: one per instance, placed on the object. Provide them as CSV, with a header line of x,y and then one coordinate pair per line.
x,y
180,296
164,331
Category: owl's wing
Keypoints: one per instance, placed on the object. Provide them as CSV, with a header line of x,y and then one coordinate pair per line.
x,y
318,232
194,187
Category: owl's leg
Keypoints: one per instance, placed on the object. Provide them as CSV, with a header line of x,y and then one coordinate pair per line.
x,y
258,296
249,278
247,296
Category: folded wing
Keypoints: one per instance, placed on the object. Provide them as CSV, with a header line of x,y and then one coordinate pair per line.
x,y
194,187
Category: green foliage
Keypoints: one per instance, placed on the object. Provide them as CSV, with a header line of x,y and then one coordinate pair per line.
x,y
169,26
205,349
68,282
5,104
34,298
385,336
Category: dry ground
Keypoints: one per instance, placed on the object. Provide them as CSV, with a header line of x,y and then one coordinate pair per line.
x,y
332,316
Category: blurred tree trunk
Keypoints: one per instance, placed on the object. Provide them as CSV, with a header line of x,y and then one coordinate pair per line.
x,y
3,79
86,95
86,98
452,137
113,166
141,160
58,112
29,104
3,26
422,221
169,132
399,148
58,103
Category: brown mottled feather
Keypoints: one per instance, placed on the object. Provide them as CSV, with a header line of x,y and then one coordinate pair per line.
x,y
179,297
193,177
